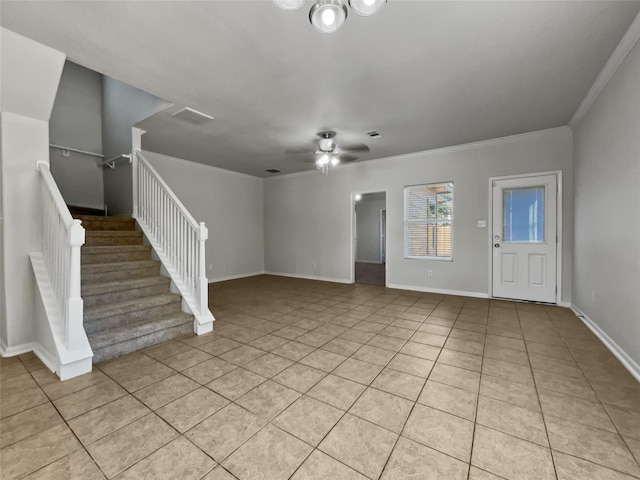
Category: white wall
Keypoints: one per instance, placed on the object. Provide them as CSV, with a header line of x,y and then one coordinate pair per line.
x,y
30,76
231,205
307,215
122,107
368,230
76,122
606,284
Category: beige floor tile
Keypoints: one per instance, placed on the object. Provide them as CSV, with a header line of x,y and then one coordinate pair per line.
x,y
411,460
106,419
236,383
576,386
626,420
429,339
219,473
505,342
467,361
508,418
419,367
384,409
472,332
76,466
186,412
219,346
21,401
477,474
358,371
27,423
60,389
598,446
456,401
319,466
634,446
620,396
271,453
323,360
224,431
506,355
268,343
209,370
456,377
554,351
299,377
33,453
308,419
268,399
516,393
358,336
441,431
165,391
575,409
242,355
510,457
568,368
294,350
17,384
570,468
123,448
268,365
184,360
336,391
140,374
92,397
361,445
420,350
399,383
388,343
475,348
508,371
12,367
167,349
341,347
179,459
434,329
289,332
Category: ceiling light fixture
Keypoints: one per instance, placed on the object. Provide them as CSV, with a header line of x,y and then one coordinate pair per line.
x,y
327,16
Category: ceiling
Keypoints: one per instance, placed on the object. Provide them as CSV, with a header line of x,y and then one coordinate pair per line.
x,y
425,74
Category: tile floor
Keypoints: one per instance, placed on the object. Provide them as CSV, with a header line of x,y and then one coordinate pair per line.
x,y
312,380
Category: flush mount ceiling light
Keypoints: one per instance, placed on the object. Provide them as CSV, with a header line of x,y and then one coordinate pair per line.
x,y
327,16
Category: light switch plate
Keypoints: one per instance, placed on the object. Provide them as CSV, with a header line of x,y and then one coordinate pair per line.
x,y
482,224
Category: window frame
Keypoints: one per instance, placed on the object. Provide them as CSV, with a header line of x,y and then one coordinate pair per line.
x,y
436,221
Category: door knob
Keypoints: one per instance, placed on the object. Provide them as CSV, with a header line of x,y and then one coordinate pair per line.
x,y
497,245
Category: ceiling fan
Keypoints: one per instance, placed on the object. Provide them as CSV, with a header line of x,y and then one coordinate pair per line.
x,y
328,153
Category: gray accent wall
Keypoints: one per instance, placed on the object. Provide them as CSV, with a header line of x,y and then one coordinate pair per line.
x,y
123,106
76,122
308,215
606,285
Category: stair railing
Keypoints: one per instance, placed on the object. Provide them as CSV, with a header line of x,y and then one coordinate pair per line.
x,y
175,236
62,237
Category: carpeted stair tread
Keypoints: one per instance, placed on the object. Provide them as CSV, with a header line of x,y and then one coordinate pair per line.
x,y
96,249
123,285
109,267
93,222
113,336
129,306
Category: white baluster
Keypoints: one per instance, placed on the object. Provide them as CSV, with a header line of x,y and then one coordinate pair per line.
x,y
203,234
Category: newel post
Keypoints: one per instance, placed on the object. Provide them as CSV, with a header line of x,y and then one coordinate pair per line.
x,y
203,285
134,179
74,310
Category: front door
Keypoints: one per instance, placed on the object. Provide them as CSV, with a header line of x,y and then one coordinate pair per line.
x,y
524,240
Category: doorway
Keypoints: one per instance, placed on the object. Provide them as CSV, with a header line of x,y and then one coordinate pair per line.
x,y
370,238
524,237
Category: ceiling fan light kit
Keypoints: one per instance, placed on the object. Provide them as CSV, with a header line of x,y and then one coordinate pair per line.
x,y
327,16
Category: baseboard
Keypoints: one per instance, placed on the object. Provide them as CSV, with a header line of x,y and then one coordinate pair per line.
x,y
45,358
34,347
442,291
309,277
235,277
564,304
628,362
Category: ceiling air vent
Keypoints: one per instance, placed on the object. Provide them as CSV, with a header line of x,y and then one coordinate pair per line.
x,y
373,134
273,170
192,116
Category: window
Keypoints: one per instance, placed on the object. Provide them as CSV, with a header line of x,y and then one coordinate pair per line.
x,y
428,218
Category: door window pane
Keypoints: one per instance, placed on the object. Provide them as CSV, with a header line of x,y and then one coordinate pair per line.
x,y
523,215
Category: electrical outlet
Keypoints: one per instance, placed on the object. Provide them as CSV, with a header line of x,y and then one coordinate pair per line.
x,y
482,224
429,273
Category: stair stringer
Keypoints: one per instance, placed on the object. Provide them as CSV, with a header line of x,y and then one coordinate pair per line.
x,y
50,346
202,323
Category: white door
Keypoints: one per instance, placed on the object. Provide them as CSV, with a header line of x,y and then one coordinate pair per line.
x,y
524,240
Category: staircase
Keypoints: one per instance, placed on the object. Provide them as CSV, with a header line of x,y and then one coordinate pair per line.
x,y
127,303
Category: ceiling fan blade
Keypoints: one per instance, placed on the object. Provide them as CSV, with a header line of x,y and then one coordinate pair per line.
x,y
299,150
356,147
346,157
